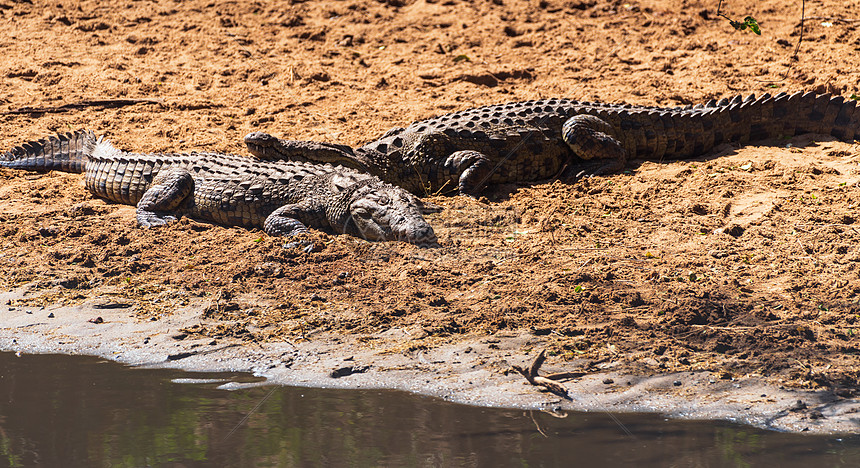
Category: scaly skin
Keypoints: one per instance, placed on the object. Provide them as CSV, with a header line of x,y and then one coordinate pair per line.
x,y
280,197
535,140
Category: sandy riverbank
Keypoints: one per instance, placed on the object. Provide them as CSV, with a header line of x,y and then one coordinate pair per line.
x,y
734,274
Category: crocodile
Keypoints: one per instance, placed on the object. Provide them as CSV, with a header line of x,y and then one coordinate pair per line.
x,y
283,198
531,141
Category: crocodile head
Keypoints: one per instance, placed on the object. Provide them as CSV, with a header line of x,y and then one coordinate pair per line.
x,y
269,148
379,211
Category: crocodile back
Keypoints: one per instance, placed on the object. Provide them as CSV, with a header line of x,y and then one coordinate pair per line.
x,y
524,143
124,177
652,132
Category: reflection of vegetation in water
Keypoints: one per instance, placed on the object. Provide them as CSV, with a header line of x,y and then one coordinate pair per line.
x,y
265,442
145,435
283,431
6,453
736,444
297,431
315,428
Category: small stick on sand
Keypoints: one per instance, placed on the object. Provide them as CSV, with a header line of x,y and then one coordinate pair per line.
x,y
106,103
531,374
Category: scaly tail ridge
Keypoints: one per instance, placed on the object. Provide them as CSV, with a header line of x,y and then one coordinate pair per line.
x,y
818,113
68,152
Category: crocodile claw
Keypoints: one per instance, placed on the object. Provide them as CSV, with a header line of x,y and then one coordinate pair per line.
x,y
149,219
306,246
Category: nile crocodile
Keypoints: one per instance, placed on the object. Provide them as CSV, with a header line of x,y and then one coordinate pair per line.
x,y
281,197
534,140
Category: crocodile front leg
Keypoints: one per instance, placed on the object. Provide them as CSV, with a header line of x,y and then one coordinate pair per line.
x,y
286,220
592,139
168,191
473,168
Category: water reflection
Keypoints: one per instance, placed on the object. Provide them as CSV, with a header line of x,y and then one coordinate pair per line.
x,y
77,411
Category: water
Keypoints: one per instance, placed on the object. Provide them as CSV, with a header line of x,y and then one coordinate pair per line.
x,y
80,411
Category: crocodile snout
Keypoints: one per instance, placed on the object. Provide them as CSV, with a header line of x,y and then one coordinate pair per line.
x,y
260,138
421,234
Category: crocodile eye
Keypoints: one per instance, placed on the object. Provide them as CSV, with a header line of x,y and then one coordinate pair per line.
x,y
383,200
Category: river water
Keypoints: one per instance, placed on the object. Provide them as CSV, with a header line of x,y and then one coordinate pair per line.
x,y
81,411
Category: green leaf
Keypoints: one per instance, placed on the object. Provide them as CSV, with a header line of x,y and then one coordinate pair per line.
x,y
462,58
749,22
752,24
854,97
577,289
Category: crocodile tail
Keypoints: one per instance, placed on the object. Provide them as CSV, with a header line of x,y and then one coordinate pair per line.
x,y
67,152
817,113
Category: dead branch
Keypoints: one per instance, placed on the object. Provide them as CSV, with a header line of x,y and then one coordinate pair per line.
x,y
531,374
103,103
535,367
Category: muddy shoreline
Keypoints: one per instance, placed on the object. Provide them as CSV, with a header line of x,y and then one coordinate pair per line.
x,y
473,370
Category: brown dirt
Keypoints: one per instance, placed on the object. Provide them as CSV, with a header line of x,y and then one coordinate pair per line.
x,y
741,263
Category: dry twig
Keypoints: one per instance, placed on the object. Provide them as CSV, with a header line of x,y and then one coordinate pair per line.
x,y
531,374
104,103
